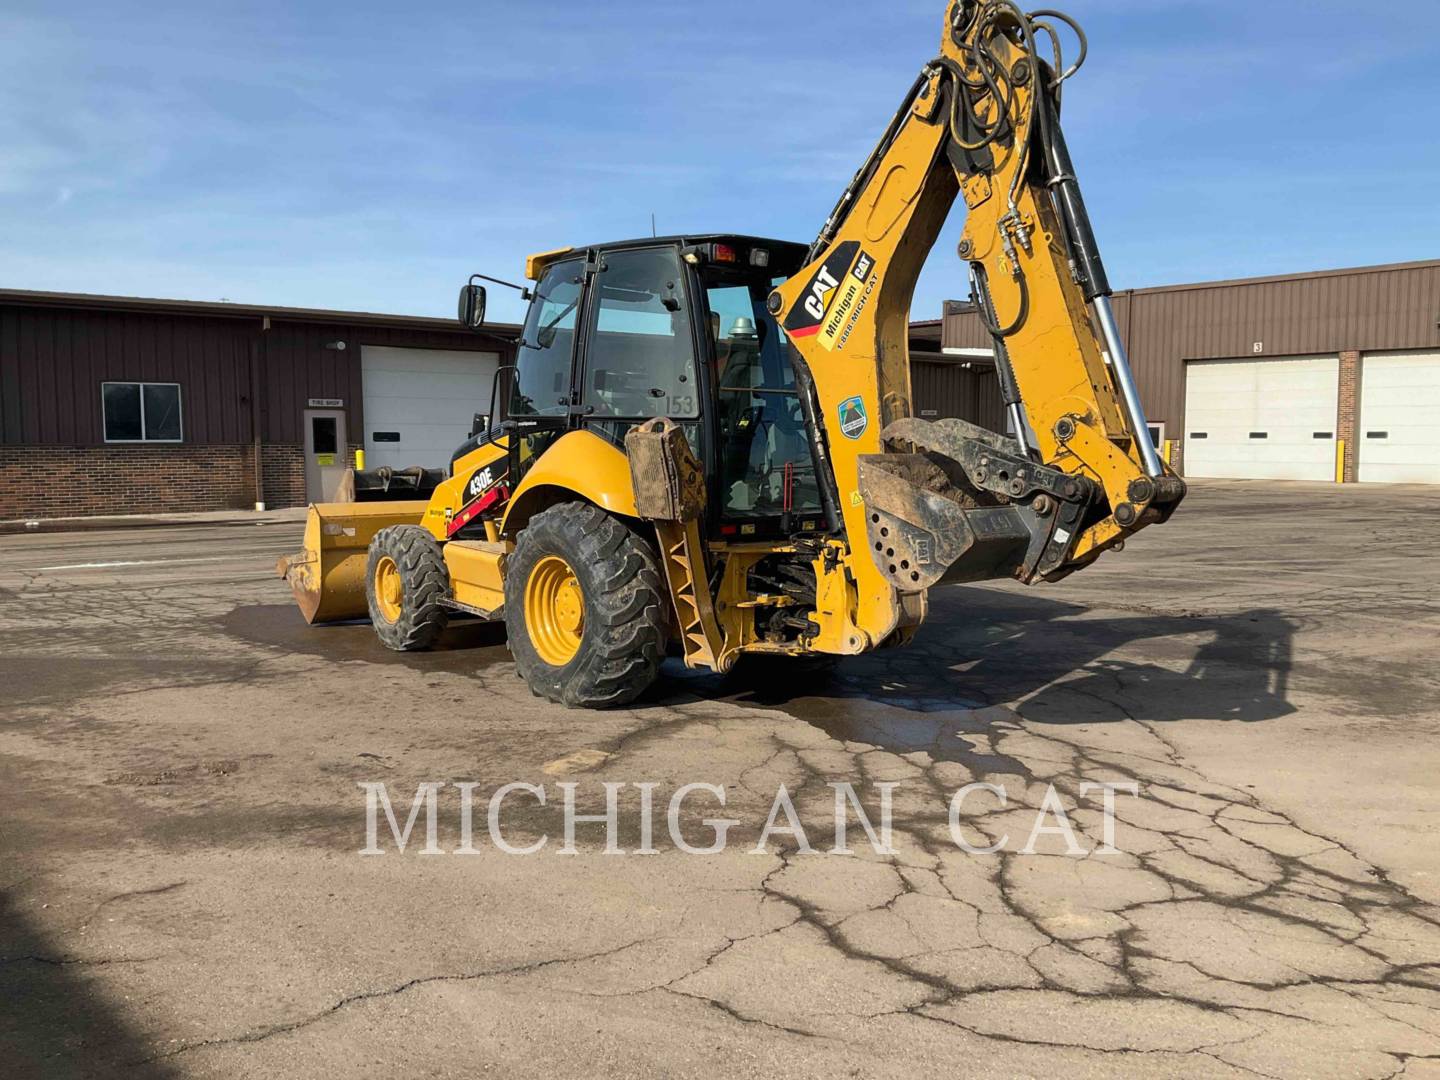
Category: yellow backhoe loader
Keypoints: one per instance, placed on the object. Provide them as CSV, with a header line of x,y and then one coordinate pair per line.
x,y
708,443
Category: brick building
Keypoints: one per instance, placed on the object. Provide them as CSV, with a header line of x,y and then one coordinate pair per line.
x,y
123,405
1314,376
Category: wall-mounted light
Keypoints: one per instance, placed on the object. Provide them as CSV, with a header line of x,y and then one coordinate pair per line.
x,y
335,346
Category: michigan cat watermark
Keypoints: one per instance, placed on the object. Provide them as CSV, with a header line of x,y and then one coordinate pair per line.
x,y
645,808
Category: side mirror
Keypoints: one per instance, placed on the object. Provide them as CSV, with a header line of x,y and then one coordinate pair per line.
x,y
472,306
480,425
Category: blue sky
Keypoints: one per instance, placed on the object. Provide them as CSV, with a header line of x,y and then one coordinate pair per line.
x,y
370,156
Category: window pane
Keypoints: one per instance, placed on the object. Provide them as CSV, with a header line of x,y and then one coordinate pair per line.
x,y
642,357
162,413
122,411
766,464
542,387
323,436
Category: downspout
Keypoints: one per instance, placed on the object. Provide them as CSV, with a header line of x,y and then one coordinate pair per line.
x,y
259,347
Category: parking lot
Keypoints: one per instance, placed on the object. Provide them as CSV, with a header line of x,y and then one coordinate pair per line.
x,y
182,891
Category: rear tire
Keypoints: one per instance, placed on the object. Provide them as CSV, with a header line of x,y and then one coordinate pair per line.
x,y
406,582
585,608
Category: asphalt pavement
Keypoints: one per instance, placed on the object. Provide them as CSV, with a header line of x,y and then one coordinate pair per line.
x,y
187,770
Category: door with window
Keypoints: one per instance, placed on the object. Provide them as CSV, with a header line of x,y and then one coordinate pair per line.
x,y
325,454
640,351
640,361
767,478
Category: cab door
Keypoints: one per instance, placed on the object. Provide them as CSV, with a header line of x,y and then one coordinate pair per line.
x,y
640,347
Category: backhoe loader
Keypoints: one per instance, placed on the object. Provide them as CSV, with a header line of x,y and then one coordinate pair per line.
x,y
708,444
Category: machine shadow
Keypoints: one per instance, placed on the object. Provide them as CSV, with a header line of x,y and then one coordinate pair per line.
x,y
53,1022
1049,661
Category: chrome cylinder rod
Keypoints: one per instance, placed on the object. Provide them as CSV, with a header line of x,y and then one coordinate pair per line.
x,y
1020,425
1120,365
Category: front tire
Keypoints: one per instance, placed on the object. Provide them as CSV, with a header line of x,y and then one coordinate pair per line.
x,y
585,608
406,581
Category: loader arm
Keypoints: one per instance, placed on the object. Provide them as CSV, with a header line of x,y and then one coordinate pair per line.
x,y
915,503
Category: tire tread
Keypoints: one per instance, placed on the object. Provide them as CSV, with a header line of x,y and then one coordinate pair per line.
x,y
626,608
425,584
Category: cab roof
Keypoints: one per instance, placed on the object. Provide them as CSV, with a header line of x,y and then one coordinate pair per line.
x,y
785,254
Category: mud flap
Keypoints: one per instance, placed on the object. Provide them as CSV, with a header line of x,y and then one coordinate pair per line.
x,y
969,505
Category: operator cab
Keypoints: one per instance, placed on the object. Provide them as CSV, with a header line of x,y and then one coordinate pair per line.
x,y
673,327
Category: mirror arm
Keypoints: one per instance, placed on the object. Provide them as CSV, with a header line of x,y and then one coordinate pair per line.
x,y
525,294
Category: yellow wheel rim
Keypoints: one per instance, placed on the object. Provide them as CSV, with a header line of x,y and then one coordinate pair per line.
x,y
554,611
388,592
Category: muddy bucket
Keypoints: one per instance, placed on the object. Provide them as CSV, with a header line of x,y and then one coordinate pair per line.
x,y
328,577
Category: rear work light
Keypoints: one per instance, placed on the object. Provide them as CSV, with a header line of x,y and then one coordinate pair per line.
x,y
759,258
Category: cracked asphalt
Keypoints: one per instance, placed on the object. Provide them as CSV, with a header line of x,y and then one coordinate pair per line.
x,y
182,894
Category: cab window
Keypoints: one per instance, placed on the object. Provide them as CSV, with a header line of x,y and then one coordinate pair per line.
x,y
641,361
766,465
542,385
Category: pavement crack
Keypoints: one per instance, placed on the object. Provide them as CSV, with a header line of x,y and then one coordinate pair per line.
x,y
272,1030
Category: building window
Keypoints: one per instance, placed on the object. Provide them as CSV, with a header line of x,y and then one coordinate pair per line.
x,y
141,412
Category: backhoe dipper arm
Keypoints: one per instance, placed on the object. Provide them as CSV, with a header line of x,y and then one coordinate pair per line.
x,y
916,503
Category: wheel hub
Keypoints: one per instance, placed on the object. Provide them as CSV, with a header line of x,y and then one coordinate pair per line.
x,y
554,611
569,609
388,592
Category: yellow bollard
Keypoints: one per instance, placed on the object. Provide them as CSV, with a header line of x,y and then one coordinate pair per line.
x,y
1169,451
359,460
1340,461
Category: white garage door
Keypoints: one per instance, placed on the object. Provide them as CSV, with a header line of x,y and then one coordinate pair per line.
x,y
1400,418
419,403
1262,419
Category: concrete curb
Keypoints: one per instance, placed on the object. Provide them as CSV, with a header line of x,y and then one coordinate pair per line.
x,y
222,520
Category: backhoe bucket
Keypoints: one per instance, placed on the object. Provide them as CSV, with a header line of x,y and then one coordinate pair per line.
x,y
952,502
328,577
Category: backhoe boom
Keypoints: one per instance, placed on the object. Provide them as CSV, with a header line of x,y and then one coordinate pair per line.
x,y
919,503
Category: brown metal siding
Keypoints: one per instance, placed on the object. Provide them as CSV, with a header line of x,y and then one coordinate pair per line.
x,y
1369,310
963,331
952,391
298,367
1364,310
53,360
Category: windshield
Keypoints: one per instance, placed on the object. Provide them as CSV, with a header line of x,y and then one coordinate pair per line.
x,y
542,382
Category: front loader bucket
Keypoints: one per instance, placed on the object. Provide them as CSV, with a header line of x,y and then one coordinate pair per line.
x,y
390,485
328,577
